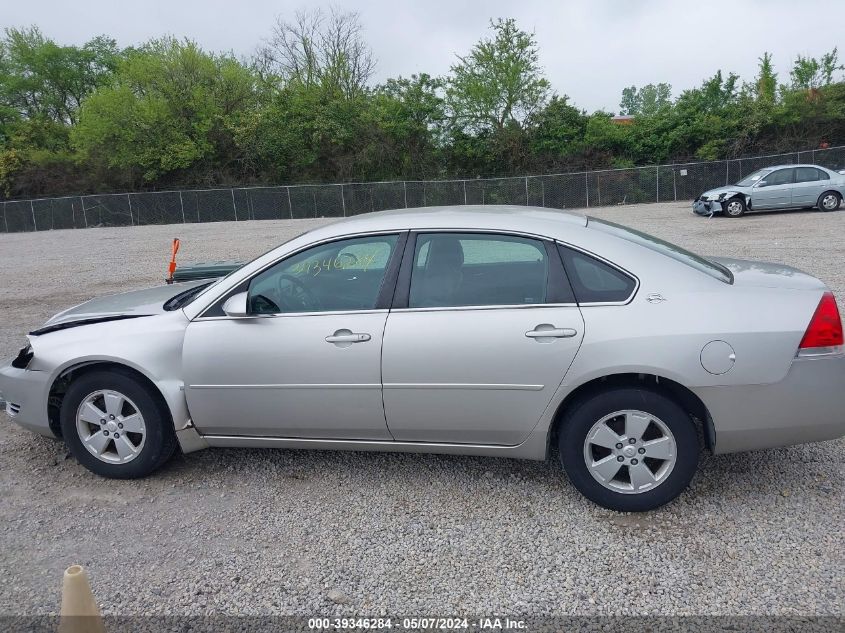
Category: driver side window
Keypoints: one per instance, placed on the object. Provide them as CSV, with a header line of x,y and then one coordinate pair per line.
x,y
341,275
779,177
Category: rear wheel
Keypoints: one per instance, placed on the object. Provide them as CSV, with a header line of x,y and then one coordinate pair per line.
x,y
829,201
116,426
735,207
629,449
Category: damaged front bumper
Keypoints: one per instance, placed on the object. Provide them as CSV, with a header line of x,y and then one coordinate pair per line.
x,y
706,207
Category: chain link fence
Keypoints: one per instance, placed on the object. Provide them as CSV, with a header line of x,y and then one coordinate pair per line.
x,y
657,183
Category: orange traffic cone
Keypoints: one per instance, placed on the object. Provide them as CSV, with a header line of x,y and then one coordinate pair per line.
x,y
79,609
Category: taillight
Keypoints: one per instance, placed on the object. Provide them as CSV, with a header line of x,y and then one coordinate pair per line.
x,y
825,329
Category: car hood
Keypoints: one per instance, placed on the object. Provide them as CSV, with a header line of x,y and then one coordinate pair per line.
x,y
126,304
713,194
768,274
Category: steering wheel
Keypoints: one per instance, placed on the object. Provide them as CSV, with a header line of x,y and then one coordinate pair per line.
x,y
296,297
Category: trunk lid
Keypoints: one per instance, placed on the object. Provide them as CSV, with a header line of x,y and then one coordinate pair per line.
x,y
768,274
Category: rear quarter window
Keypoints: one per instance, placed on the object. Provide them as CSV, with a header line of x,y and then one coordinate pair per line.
x,y
595,281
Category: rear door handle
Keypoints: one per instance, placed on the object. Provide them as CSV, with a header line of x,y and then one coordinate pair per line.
x,y
551,332
345,336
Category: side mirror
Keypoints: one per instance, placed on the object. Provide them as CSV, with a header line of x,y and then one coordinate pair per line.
x,y
760,183
236,305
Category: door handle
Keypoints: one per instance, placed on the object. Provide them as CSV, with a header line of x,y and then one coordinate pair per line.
x,y
551,332
345,336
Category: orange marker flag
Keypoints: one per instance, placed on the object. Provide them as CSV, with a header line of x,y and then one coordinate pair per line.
x,y
172,267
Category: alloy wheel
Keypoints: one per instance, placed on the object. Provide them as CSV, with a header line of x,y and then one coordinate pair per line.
x,y
830,201
630,451
111,426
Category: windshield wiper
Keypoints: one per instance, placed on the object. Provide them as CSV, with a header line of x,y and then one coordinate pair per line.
x,y
184,298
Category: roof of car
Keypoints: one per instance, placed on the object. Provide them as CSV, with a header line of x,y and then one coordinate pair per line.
x,y
537,220
790,165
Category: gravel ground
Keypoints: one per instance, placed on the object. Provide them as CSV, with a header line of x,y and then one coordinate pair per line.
x,y
285,532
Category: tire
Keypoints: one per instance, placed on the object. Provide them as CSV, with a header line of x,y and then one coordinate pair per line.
x,y
829,201
663,418
734,208
152,434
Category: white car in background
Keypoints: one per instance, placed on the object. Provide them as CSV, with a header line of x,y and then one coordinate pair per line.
x,y
777,187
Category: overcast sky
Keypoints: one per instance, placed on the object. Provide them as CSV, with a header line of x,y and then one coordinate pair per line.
x,y
590,49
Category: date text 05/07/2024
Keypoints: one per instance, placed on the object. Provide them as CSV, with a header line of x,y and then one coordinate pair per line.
x,y
416,624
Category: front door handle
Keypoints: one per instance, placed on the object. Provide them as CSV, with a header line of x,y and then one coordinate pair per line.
x,y
348,337
548,331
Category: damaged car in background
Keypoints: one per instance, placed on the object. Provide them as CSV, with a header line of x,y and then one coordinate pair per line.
x,y
499,331
778,187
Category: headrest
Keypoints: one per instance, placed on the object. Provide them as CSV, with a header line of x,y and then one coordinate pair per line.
x,y
445,252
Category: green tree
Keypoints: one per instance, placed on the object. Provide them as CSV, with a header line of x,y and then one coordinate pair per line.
x,y
171,107
655,97
559,130
42,85
805,73
41,80
646,101
829,65
630,103
310,134
765,86
605,142
94,118
411,113
811,73
499,83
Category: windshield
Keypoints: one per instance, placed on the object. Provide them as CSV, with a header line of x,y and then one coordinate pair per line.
x,y
750,179
664,248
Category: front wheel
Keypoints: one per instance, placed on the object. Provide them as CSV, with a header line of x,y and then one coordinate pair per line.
x,y
629,449
735,207
829,201
115,425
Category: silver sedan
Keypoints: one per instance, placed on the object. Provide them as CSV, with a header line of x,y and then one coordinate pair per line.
x,y
777,187
500,331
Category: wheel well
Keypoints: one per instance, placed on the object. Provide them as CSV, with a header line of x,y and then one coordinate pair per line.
x,y
685,398
741,197
60,385
827,191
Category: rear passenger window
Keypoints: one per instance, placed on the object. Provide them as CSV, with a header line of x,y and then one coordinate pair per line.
x,y
595,281
468,269
809,174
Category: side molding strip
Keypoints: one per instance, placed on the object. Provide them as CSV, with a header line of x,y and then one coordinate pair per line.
x,y
523,450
